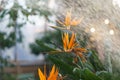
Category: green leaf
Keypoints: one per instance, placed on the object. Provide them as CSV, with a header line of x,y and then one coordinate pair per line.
x,y
88,75
13,14
104,75
64,62
96,63
3,13
40,47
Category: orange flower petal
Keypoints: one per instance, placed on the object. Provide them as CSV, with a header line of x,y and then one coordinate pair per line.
x,y
64,42
53,74
41,75
68,19
72,41
82,57
75,22
67,38
80,49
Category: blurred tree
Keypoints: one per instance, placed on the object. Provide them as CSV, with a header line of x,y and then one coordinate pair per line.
x,y
11,17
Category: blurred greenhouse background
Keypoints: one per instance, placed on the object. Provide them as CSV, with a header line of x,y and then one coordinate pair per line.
x,y
28,33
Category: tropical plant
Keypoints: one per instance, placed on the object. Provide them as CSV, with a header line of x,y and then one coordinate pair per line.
x,y
76,62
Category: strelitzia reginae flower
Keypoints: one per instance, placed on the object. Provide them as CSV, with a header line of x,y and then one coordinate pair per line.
x,y
69,21
52,76
70,45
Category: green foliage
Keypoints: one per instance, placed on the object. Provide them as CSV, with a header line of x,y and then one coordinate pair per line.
x,y
8,77
94,60
80,70
73,71
40,47
47,43
64,66
13,14
4,76
88,75
6,42
3,13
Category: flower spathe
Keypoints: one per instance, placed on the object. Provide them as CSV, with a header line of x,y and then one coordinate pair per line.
x,y
68,43
69,22
79,51
52,76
